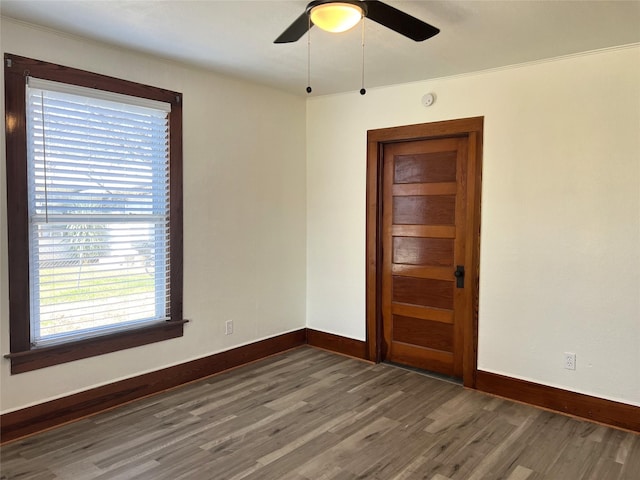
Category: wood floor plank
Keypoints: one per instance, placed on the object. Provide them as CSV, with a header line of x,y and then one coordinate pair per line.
x,y
308,414
346,451
631,467
410,470
485,467
520,473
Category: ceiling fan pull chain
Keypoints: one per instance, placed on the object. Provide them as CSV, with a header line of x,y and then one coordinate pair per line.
x,y
363,90
309,89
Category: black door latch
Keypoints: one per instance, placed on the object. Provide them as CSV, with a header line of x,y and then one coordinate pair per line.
x,y
459,274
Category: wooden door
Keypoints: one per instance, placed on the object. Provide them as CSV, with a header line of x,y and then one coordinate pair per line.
x,y
424,221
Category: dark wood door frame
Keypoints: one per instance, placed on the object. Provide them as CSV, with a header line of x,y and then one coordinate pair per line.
x,y
472,128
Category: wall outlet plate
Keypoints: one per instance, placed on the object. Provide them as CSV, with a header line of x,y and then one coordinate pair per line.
x,y
228,327
569,361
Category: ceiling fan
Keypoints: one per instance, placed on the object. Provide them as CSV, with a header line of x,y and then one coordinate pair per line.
x,y
325,13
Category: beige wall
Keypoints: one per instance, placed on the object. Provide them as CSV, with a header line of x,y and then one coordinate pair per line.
x,y
560,244
244,215
560,215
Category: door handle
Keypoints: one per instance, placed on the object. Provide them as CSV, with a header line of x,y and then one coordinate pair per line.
x,y
459,274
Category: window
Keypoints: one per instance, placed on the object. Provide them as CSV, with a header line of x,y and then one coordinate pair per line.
x,y
94,174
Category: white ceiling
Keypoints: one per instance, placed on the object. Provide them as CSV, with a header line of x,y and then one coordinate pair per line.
x,y
236,37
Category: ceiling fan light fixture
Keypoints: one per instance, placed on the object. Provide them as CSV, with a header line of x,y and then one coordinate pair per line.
x,y
336,17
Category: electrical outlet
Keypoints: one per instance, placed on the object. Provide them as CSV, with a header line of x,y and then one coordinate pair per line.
x,y
569,361
228,327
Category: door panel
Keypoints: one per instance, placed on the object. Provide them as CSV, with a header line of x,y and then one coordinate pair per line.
x,y
433,167
425,292
422,251
425,313
424,209
426,333
423,239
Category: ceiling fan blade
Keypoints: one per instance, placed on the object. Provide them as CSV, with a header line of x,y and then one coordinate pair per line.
x,y
399,21
296,30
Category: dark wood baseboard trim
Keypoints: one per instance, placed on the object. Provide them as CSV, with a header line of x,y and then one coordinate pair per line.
x,y
44,416
337,343
596,409
57,412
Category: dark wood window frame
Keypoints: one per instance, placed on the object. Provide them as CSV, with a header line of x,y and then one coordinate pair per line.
x,y
23,356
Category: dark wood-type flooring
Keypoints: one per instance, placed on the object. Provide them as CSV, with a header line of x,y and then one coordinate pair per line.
x,y
308,414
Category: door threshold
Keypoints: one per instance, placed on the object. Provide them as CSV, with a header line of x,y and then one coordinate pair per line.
x,y
426,373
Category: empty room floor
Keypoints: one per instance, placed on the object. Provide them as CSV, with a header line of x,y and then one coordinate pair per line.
x,y
308,414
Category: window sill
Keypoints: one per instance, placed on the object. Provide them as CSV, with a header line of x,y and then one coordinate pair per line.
x,y
68,352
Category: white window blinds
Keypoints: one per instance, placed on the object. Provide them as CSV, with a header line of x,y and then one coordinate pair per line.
x,y
98,169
